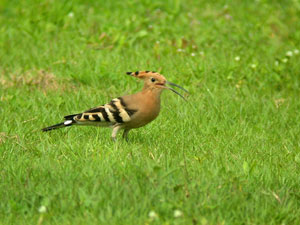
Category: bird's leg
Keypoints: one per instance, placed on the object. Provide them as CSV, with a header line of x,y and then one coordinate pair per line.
x,y
114,133
125,134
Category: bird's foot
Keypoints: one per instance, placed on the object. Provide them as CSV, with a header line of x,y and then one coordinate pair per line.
x,y
113,139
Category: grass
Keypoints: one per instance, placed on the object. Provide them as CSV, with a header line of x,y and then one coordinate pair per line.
x,y
229,156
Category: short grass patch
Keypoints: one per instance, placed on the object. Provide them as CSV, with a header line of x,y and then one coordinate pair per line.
x,y
231,155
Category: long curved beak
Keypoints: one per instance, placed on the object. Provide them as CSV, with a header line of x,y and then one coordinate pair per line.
x,y
165,87
176,85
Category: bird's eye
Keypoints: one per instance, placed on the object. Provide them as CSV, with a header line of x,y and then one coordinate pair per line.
x,y
152,79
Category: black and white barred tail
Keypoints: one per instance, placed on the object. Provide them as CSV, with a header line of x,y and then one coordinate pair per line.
x,y
67,123
106,115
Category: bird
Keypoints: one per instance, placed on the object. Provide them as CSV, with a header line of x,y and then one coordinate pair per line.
x,y
126,112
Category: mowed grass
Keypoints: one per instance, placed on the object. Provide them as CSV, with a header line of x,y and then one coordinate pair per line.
x,y
229,156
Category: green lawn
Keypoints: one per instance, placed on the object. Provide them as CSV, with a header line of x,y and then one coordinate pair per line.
x,y
231,155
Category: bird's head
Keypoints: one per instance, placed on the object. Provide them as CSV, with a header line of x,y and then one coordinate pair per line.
x,y
155,81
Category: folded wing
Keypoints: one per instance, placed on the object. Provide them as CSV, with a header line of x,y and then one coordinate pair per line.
x,y
114,112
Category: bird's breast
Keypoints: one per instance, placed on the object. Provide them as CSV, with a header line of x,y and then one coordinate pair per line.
x,y
146,113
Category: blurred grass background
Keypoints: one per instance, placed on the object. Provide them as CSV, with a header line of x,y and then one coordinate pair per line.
x,y
229,156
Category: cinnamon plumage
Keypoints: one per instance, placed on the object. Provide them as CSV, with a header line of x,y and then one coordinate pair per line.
x,y
126,112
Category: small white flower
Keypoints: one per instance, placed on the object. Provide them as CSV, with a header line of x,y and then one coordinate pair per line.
x,y
201,53
276,63
152,215
285,60
289,53
237,58
177,213
193,54
42,209
228,16
296,51
71,14
150,26
157,42
253,66
179,50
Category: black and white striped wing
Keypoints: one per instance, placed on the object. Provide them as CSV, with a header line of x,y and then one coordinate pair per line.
x,y
108,114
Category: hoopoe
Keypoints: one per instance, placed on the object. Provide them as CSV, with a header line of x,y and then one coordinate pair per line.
x,y
127,112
